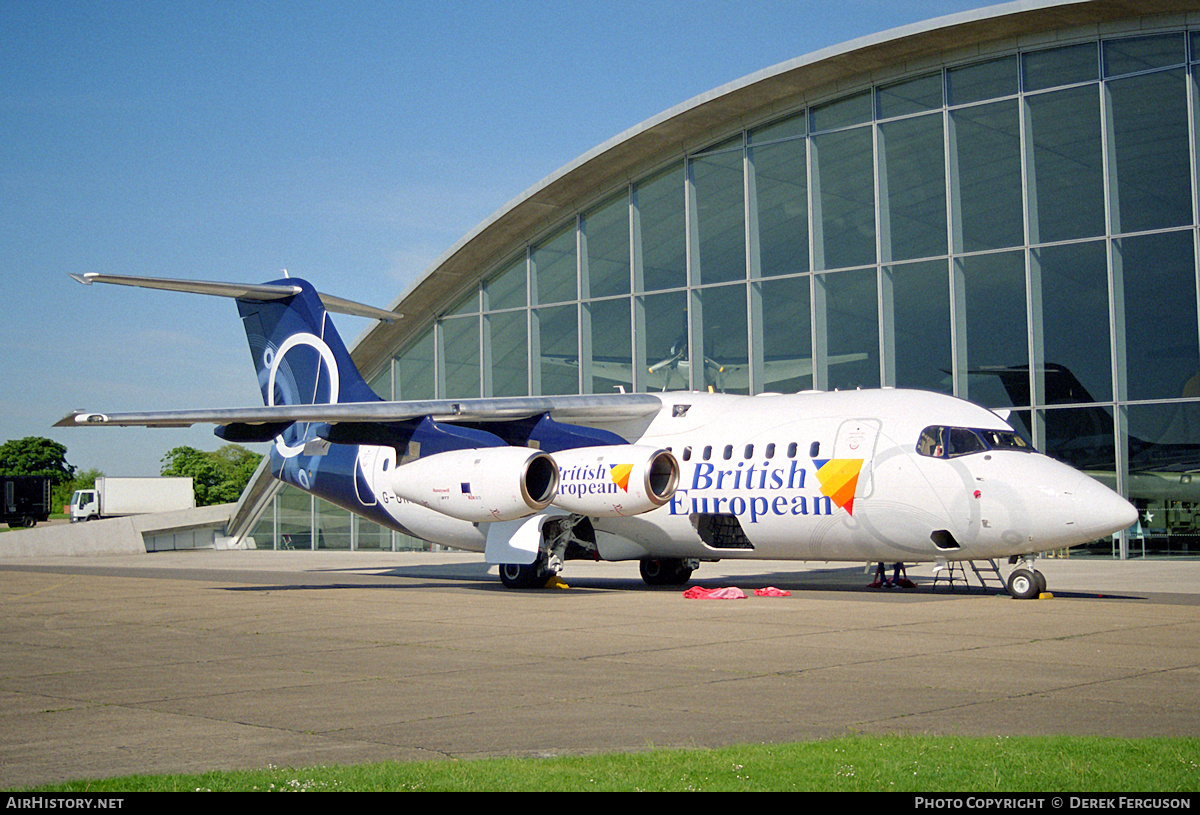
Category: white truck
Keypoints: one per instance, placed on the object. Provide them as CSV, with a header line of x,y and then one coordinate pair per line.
x,y
114,497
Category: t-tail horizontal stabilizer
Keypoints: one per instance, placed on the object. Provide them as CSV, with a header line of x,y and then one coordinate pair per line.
x,y
267,291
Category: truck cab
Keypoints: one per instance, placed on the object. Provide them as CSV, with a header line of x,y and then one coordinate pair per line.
x,y
84,506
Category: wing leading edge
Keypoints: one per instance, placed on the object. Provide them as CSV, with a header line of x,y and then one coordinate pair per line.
x,y
610,407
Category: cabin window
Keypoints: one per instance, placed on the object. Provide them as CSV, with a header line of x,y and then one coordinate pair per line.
x,y
792,450
814,450
749,453
707,452
687,453
728,452
771,450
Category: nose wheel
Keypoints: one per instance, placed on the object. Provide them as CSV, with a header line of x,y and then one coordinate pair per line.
x,y
1026,583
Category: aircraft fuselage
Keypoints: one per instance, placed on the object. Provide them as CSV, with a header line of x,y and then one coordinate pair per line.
x,y
812,476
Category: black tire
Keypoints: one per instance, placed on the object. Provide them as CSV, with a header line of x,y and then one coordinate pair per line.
x,y
1023,584
518,576
29,522
664,572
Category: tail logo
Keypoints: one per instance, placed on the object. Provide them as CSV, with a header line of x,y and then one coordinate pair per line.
x,y
276,359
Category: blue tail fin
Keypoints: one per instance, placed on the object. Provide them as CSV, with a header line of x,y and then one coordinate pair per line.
x,y
300,358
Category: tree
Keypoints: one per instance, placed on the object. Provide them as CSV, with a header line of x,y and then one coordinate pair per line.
x,y
218,477
35,455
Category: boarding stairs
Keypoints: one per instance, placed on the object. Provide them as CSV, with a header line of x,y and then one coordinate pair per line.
x,y
954,574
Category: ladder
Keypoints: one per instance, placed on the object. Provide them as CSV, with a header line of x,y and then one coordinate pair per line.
x,y
955,571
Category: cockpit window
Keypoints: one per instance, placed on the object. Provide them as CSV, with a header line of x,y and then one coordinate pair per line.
x,y
952,442
1004,440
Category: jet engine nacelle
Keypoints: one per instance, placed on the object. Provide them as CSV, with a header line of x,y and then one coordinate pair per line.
x,y
615,480
480,484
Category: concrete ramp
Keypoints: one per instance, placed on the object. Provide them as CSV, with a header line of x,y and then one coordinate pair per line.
x,y
115,536
200,528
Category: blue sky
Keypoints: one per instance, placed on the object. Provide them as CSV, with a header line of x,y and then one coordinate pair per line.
x,y
351,143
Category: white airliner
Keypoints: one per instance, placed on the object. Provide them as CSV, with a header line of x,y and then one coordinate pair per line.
x,y
669,479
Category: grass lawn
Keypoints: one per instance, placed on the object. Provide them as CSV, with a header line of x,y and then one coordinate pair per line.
x,y
855,764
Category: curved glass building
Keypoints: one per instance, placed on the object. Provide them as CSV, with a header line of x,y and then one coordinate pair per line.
x,y
999,205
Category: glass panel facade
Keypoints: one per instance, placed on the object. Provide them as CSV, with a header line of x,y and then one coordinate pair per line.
x,y
1066,187
1083,437
1060,66
1164,478
507,289
985,168
909,96
851,320
1138,54
659,232
995,345
605,235
1019,231
557,331
921,338
1151,158
611,332
844,195
371,536
719,316
852,110
334,527
786,335
1162,356
381,384
662,337
509,360
459,357
553,273
912,181
416,370
295,511
780,174
720,218
1073,362
982,80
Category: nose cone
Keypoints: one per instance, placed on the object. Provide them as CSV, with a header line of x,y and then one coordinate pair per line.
x,y
1099,511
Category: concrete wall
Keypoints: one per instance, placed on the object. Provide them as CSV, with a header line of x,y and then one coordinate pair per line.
x,y
202,527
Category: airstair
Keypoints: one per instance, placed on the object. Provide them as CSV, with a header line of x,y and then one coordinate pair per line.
x,y
953,574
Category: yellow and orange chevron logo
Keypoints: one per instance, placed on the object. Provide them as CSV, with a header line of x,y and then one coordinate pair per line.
x,y
620,475
839,479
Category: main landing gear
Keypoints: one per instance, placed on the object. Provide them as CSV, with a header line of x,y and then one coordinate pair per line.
x,y
562,538
517,576
1026,582
667,571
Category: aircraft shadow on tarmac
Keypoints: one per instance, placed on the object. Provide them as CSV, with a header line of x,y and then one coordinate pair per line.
x,y
478,576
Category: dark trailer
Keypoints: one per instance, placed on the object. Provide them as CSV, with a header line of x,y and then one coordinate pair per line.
x,y
24,499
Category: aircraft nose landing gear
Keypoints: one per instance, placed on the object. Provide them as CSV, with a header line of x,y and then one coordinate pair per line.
x,y
1026,582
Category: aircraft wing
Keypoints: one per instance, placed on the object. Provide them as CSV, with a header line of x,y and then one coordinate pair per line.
x,y
609,407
